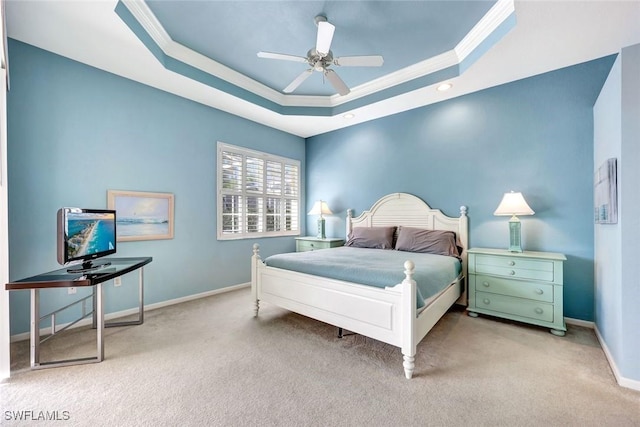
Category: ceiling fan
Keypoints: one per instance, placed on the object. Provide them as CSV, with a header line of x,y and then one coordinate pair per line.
x,y
320,58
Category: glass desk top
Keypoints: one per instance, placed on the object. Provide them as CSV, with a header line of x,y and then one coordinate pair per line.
x,y
62,278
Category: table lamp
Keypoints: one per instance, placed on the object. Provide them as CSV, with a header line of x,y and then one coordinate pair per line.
x,y
513,204
320,208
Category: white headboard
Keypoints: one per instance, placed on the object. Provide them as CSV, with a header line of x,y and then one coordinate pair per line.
x,y
410,211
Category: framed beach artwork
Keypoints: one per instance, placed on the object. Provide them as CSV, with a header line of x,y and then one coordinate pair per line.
x,y
142,215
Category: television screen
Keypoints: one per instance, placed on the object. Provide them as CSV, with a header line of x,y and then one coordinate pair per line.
x,y
85,234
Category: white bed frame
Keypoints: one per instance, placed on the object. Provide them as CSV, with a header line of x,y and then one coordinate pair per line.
x,y
388,315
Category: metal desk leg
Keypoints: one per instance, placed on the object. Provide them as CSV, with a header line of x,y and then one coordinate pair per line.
x,y
98,318
100,322
94,317
141,294
35,327
140,319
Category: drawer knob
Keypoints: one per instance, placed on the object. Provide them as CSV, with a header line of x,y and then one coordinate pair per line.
x,y
486,301
512,263
513,273
485,284
539,310
539,291
311,245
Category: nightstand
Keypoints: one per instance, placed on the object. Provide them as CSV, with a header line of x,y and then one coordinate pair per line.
x,y
525,286
311,243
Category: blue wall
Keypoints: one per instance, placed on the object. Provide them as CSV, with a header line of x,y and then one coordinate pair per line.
x,y
74,132
630,212
617,131
534,135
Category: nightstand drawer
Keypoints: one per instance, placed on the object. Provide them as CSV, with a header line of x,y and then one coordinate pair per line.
x,y
304,244
515,306
515,288
514,267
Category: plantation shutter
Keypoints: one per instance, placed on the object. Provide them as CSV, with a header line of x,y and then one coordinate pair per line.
x,y
258,194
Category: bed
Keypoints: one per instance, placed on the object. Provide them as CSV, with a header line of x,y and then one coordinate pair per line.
x,y
397,313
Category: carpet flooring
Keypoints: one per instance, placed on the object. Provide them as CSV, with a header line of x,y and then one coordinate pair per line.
x,y
209,362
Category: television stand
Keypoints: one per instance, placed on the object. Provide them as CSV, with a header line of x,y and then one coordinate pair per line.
x,y
87,266
63,279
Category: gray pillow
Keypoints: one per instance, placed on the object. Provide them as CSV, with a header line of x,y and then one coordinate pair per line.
x,y
437,242
371,237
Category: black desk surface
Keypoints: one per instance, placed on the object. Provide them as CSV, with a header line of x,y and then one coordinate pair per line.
x,y
63,279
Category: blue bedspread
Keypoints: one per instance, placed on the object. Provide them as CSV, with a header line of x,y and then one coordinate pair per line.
x,y
374,267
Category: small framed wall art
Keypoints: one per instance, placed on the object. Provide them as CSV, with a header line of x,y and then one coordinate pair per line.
x,y
605,192
142,215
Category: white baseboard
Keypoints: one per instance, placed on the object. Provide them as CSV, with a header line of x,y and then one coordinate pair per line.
x,y
128,312
578,322
622,381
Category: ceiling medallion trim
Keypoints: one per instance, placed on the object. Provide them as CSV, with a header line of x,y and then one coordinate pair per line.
x,y
500,12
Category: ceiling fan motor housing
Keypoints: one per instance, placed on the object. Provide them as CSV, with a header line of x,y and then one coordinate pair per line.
x,y
319,18
318,62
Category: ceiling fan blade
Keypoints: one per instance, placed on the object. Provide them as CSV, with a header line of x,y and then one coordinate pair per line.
x,y
283,56
337,82
359,61
324,38
298,81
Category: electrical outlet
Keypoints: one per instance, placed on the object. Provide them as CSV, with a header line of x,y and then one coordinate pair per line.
x,y
117,281
72,290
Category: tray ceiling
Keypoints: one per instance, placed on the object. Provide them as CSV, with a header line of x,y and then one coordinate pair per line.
x,y
206,50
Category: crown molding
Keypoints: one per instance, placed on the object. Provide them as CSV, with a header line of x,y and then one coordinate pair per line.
x,y
156,31
149,22
481,31
499,13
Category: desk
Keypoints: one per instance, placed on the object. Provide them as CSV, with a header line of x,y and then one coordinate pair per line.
x,y
63,279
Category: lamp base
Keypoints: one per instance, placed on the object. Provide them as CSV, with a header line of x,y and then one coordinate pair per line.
x,y
515,243
321,234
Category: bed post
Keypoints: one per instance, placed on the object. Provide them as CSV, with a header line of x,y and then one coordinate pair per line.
x,y
349,226
463,232
255,259
408,313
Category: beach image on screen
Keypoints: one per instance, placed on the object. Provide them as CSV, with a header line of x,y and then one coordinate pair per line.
x,y
89,233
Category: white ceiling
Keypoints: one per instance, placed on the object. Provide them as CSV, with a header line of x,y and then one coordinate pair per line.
x,y
547,36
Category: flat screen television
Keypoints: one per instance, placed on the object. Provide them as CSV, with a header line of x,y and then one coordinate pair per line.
x,y
84,235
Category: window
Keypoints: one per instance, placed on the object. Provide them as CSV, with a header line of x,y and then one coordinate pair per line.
x,y
258,194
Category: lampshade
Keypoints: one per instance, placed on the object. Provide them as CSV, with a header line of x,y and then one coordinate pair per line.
x,y
320,208
513,204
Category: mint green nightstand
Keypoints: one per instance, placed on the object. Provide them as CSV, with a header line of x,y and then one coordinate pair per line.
x,y
311,243
526,286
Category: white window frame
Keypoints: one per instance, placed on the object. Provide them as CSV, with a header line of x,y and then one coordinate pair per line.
x,y
221,192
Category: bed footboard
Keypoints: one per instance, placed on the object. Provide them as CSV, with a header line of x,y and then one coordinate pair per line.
x,y
387,315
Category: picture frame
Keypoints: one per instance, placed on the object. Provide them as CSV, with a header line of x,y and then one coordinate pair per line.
x,y
142,215
605,192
